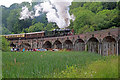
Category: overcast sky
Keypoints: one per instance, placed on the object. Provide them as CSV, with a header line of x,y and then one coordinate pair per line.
x,y
7,3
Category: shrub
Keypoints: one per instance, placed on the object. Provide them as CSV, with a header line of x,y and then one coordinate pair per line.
x,y
5,44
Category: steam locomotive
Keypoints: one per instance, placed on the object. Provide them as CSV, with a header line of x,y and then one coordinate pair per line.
x,y
42,34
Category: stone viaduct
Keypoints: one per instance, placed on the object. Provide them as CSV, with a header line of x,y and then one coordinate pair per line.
x,y
104,42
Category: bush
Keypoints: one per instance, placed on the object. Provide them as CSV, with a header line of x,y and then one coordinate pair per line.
x,y
5,44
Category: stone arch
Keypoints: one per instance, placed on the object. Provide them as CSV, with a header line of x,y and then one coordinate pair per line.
x,y
79,45
34,45
93,45
12,44
25,45
108,45
86,40
39,45
68,44
57,44
47,45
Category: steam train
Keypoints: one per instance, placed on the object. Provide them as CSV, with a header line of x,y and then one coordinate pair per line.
x,y
42,34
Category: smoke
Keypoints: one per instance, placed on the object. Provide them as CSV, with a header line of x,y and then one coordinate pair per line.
x,y
26,13
56,11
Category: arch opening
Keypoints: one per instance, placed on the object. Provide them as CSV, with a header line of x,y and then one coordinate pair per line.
x,y
12,45
25,45
79,45
57,45
108,46
92,45
39,45
47,45
34,45
68,45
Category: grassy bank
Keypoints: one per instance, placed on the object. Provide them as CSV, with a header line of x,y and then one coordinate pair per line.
x,y
56,64
105,68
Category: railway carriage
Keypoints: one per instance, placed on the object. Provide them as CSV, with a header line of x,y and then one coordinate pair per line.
x,y
41,34
35,35
14,36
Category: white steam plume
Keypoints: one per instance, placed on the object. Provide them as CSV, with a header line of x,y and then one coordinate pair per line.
x,y
57,11
26,13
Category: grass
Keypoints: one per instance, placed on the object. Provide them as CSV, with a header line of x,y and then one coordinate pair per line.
x,y
56,64
105,68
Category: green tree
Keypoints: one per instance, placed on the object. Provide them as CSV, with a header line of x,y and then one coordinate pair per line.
x,y
109,5
5,31
76,5
93,6
106,18
5,44
25,30
5,15
36,27
86,28
18,6
33,21
49,26
11,20
83,17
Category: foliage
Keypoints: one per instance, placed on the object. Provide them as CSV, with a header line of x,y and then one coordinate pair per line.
x,y
5,45
83,18
109,6
94,16
76,5
108,17
36,27
12,20
5,30
94,7
49,26
85,29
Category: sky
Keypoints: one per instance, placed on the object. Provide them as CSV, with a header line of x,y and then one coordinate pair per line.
x,y
7,3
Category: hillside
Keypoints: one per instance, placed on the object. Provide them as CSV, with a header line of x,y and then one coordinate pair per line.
x,y
89,16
